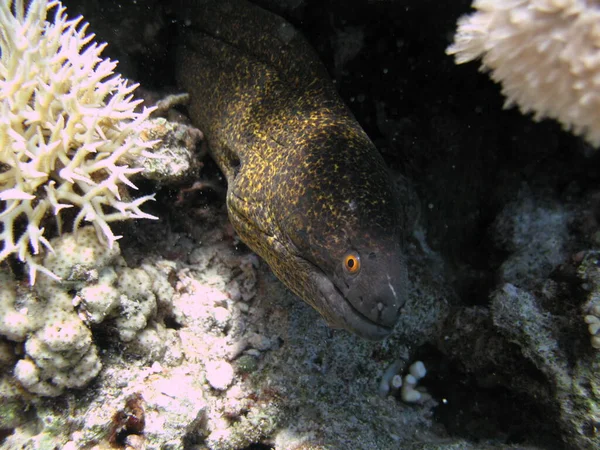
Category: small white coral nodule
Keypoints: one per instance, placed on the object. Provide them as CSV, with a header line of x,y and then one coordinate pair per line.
x,y
67,130
545,53
592,319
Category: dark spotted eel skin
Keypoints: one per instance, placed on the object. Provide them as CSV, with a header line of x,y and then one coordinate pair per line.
x,y
307,189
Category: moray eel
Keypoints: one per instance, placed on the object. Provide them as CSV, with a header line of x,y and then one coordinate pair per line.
x,y
307,189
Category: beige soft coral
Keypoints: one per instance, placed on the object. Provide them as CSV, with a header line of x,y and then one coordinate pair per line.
x,y
67,130
545,53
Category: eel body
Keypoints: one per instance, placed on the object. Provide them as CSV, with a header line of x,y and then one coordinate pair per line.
x,y
307,189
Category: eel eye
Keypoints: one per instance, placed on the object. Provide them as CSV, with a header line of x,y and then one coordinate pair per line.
x,y
352,263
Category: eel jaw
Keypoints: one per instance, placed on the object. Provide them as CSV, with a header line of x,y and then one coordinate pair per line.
x,y
339,312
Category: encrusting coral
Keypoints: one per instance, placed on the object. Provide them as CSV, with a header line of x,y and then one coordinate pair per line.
x,y
68,128
545,53
54,325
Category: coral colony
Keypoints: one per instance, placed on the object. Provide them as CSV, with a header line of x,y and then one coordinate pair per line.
x,y
67,130
545,55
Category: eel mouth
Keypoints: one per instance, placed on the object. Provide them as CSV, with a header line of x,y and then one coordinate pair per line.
x,y
340,313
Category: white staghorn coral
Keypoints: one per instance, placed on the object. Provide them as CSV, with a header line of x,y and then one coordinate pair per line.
x,y
67,130
545,53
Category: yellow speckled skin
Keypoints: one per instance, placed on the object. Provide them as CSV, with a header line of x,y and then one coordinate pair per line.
x,y
306,186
